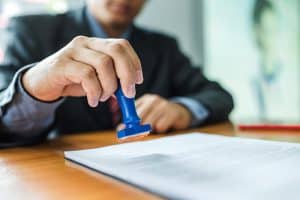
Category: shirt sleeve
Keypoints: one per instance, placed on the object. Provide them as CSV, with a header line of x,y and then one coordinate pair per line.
x,y
199,112
20,113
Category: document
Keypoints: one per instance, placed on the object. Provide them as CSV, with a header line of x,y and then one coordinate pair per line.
x,y
202,166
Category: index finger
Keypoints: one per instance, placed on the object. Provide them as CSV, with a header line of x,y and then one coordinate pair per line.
x,y
137,63
125,66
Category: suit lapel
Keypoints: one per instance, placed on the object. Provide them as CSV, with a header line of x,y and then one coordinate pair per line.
x,y
75,24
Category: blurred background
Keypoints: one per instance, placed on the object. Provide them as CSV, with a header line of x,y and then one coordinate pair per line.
x,y
252,47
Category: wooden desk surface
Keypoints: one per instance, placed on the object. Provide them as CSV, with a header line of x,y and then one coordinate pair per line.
x,y
41,172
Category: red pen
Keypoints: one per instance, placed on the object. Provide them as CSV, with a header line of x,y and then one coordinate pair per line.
x,y
273,127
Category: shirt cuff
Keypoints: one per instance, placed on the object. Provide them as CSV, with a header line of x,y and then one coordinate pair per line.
x,y
23,113
199,112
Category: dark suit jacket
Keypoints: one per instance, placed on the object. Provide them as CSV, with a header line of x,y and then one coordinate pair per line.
x,y
167,72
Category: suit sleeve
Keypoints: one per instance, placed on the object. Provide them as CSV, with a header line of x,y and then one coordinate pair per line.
x,y
190,82
21,116
20,49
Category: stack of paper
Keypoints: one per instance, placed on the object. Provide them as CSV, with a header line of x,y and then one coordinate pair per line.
x,y
200,166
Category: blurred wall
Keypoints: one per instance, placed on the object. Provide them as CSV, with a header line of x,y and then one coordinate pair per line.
x,y
178,18
182,19
252,48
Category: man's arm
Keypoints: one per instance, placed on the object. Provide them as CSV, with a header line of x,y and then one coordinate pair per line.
x,y
86,66
23,115
189,82
20,114
19,121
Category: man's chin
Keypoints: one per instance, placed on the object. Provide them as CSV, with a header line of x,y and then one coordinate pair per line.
x,y
120,23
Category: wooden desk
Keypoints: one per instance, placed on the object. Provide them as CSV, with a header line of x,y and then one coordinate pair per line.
x,y
41,172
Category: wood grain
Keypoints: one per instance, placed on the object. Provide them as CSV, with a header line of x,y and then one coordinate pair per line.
x,y
41,172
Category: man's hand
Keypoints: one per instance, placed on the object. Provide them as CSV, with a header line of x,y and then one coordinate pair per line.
x,y
86,67
162,114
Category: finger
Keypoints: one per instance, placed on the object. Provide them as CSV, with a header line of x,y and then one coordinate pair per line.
x,y
131,52
85,75
73,90
108,79
85,55
135,59
146,104
153,118
124,65
115,42
155,113
140,101
103,65
164,123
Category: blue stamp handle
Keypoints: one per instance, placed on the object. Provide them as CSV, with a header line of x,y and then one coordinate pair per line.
x,y
129,116
127,106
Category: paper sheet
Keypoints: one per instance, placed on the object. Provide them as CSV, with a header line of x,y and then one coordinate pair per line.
x,y
201,166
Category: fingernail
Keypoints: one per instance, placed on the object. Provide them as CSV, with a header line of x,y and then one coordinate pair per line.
x,y
140,77
94,103
103,99
131,91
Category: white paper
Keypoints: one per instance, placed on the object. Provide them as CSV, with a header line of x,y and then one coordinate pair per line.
x,y
201,166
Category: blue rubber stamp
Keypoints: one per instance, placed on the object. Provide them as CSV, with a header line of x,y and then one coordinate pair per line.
x,y
133,127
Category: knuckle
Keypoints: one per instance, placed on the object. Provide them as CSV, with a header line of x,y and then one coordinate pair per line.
x,y
70,51
115,47
60,61
147,96
105,61
94,40
165,103
123,42
87,72
78,40
156,97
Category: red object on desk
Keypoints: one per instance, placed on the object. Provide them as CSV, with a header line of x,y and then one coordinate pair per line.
x,y
273,127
